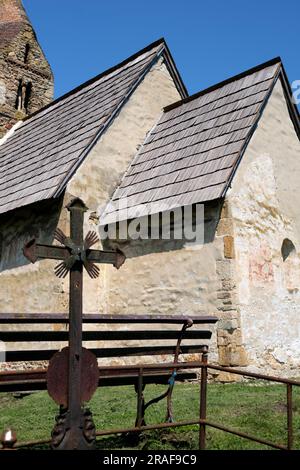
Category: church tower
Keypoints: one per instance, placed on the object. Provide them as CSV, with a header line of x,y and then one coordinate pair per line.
x,y
26,79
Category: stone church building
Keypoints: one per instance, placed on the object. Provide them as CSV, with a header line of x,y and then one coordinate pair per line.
x,y
132,136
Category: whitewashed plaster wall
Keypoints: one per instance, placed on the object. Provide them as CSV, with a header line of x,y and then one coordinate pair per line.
x,y
265,205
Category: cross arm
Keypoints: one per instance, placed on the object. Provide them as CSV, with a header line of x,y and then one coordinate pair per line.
x,y
116,258
34,251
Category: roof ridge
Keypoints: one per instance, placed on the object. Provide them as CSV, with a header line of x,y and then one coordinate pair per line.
x,y
238,76
100,75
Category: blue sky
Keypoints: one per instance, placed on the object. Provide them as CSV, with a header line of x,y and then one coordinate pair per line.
x,y
209,40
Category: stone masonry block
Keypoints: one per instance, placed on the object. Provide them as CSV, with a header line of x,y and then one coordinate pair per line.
x,y
232,356
228,325
229,247
225,212
225,227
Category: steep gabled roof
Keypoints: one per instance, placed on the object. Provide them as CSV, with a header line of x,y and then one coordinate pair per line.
x,y
42,154
192,153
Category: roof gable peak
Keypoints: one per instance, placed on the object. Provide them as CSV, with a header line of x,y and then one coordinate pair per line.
x,y
161,47
211,88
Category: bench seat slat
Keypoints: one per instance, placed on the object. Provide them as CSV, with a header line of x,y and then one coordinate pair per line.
x,y
43,355
103,318
36,380
15,336
32,377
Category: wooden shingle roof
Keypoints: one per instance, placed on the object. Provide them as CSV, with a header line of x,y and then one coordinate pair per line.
x,y
192,153
42,154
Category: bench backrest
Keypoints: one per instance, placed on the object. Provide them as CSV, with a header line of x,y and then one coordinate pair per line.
x,y
36,337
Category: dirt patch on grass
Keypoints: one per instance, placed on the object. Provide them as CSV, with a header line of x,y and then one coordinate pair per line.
x,y
282,407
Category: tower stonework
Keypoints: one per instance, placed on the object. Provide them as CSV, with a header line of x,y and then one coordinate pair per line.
x,y
26,79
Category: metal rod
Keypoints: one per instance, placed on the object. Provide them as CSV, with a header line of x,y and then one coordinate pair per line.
x,y
184,365
169,425
245,436
254,375
289,396
32,443
140,400
188,423
203,396
120,431
148,427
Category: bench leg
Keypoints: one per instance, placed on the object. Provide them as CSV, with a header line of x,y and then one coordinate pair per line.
x,y
169,415
168,395
141,405
156,400
139,388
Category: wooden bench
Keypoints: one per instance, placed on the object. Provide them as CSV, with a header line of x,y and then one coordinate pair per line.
x,y
30,338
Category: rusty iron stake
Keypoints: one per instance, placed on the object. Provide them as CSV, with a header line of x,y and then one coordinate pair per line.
x,y
289,396
75,331
203,395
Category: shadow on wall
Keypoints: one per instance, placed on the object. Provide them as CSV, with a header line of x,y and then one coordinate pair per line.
x,y
291,266
40,220
17,227
141,247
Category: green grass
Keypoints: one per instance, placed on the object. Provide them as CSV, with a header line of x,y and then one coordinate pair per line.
x,y
259,410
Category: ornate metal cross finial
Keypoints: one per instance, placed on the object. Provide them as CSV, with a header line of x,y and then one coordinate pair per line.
x,y
77,253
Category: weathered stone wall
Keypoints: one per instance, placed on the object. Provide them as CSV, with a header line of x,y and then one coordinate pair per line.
x,y
22,65
264,202
231,351
177,277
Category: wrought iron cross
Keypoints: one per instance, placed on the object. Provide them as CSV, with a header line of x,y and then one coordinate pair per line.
x,y
72,429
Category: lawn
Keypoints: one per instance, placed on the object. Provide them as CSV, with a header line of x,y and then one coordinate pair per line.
x,y
257,409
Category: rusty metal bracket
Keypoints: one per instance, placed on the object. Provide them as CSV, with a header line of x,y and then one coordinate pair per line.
x,y
62,429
